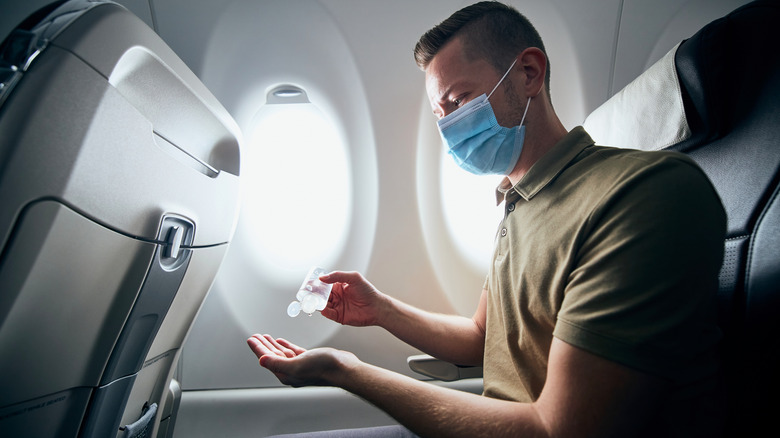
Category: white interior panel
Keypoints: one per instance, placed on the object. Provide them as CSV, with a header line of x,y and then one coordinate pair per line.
x,y
649,29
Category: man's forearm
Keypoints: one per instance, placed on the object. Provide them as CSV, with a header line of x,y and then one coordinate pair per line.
x,y
452,338
584,395
431,410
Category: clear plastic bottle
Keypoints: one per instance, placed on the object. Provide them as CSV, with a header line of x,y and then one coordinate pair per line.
x,y
313,294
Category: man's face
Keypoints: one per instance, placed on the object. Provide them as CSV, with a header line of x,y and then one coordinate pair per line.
x,y
451,81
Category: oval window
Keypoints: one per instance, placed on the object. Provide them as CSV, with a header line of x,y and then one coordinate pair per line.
x,y
470,212
296,188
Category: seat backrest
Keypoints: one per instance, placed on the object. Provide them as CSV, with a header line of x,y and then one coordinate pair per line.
x,y
118,198
730,77
727,78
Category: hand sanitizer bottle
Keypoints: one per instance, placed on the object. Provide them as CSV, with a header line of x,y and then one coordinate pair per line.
x,y
313,294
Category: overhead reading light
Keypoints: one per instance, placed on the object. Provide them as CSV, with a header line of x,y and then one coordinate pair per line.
x,y
286,94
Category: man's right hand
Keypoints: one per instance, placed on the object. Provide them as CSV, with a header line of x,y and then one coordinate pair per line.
x,y
452,338
353,300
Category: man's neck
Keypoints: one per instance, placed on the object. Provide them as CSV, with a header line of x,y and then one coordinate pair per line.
x,y
537,144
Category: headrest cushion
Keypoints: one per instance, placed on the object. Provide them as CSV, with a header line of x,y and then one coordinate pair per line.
x,y
647,114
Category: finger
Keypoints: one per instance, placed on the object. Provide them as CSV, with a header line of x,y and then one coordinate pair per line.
x,y
332,313
287,344
333,307
329,312
269,343
257,346
335,296
286,351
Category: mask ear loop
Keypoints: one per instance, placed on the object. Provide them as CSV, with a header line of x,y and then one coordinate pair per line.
x,y
502,78
526,111
529,104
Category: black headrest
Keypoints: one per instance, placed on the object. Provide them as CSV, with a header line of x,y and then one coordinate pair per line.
x,y
728,72
729,75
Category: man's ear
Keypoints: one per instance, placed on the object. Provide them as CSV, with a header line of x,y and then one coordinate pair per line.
x,y
533,63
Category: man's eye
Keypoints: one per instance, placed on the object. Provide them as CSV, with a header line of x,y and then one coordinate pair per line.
x,y
457,102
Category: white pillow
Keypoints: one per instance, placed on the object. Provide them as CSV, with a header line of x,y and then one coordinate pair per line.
x,y
647,114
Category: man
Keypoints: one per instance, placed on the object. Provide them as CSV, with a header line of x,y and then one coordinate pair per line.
x,y
598,314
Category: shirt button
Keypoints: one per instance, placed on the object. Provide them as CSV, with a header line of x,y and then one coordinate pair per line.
x,y
503,232
510,207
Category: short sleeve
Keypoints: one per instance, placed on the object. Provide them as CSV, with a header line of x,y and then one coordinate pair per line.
x,y
642,292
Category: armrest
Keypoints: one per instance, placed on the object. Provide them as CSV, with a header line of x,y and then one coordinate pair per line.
x,y
441,370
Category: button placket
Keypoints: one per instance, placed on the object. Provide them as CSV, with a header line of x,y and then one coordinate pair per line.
x,y
510,207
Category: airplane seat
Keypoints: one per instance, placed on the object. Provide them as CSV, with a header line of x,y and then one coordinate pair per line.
x,y
728,77
119,176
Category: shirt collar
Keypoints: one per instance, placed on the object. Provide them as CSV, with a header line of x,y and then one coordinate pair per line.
x,y
547,168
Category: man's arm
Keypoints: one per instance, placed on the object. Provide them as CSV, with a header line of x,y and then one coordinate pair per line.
x,y
585,395
452,338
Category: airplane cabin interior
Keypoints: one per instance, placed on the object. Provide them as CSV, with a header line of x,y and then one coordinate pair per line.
x,y
171,169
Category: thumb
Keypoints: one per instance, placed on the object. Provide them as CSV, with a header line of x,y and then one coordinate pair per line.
x,y
341,277
276,365
272,362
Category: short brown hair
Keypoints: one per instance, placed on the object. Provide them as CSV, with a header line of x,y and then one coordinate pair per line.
x,y
489,30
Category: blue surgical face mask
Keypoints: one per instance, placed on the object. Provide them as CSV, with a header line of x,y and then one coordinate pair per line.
x,y
476,141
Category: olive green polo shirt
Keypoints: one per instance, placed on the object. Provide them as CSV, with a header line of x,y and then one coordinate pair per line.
x,y
614,251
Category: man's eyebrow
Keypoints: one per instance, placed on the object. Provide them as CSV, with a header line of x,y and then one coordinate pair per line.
x,y
444,97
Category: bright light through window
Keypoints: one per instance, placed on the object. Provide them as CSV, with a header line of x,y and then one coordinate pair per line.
x,y
470,211
297,197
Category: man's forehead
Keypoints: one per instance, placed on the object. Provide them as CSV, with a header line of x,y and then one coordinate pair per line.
x,y
435,85
450,69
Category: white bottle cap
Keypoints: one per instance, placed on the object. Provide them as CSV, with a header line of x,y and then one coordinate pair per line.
x,y
294,309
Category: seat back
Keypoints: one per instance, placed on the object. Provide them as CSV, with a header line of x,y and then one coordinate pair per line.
x,y
730,77
726,77
118,198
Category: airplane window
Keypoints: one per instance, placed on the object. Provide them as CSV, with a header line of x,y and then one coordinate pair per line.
x,y
470,211
296,194
300,207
